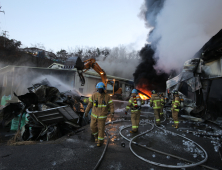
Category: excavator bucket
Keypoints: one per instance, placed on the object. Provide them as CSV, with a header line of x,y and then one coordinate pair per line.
x,y
74,62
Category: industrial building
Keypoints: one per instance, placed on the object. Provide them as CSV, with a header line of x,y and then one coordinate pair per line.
x,y
19,78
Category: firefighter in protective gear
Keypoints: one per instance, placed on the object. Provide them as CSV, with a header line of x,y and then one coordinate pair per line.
x,y
155,102
99,102
162,100
175,108
134,104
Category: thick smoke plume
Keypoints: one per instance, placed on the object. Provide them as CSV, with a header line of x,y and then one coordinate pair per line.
x,y
146,77
120,62
180,28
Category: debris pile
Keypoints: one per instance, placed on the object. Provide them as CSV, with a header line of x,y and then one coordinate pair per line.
x,y
44,113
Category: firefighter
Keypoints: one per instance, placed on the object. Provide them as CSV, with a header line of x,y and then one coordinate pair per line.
x,y
155,102
134,103
175,108
162,104
86,101
99,102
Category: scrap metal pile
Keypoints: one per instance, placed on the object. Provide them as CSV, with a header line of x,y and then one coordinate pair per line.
x,y
49,113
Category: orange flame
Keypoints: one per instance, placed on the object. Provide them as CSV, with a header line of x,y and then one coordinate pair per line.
x,y
143,97
143,87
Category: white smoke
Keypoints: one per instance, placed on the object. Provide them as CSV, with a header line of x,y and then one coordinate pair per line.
x,y
121,62
181,28
56,82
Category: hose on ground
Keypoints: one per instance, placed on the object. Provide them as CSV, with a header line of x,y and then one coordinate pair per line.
x,y
164,165
107,135
151,162
104,151
159,164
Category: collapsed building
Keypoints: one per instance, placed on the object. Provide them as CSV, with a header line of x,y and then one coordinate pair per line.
x,y
200,81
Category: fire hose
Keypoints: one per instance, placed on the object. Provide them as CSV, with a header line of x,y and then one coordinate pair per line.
x,y
107,135
164,165
151,162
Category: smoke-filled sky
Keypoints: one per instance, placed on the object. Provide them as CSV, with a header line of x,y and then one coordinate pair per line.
x,y
68,23
181,28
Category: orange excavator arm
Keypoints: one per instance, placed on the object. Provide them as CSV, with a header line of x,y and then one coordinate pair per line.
x,y
76,62
91,63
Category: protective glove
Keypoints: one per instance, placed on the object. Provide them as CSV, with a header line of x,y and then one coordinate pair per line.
x,y
125,112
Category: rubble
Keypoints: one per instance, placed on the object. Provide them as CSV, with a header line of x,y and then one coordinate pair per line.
x,y
44,114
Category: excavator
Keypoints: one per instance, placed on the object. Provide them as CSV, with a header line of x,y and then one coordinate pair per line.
x,y
112,86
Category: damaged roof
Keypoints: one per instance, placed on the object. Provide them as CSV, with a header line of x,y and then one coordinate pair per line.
x,y
212,49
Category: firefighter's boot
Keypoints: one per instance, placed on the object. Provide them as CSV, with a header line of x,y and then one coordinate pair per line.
x,y
134,131
176,126
96,138
99,143
158,123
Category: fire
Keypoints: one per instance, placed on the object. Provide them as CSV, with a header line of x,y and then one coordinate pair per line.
x,y
143,87
143,96
144,91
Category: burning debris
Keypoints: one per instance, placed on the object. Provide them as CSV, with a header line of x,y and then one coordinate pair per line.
x,y
45,113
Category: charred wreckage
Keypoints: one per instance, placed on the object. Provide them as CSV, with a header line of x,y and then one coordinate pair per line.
x,y
49,113
199,82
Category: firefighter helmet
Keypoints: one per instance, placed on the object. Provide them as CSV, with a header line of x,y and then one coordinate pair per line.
x,y
100,85
134,91
153,92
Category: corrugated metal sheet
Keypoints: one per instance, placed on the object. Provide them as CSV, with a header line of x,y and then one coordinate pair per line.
x,y
181,77
212,69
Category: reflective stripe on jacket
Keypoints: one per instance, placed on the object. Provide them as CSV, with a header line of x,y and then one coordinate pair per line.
x,y
102,108
131,104
155,101
175,103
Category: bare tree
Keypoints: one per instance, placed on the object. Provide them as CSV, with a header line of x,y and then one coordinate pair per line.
x,y
38,45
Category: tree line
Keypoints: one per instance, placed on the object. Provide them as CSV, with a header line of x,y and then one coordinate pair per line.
x,y
120,53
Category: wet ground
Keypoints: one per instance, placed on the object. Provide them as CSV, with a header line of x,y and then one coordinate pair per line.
x,y
80,152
